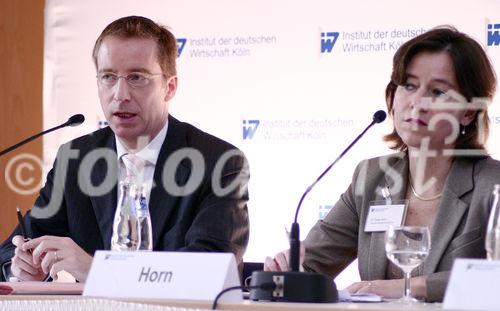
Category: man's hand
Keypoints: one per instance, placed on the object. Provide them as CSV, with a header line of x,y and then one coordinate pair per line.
x,y
281,260
23,266
54,254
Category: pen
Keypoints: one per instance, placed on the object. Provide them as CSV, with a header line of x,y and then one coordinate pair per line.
x,y
21,224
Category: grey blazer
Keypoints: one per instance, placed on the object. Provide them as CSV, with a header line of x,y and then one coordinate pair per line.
x,y
458,231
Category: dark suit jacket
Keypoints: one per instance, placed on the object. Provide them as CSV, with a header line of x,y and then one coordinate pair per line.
x,y
458,231
200,221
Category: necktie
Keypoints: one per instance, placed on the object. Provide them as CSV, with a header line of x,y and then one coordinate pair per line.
x,y
134,166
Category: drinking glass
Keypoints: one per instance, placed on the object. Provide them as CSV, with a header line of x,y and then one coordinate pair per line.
x,y
407,247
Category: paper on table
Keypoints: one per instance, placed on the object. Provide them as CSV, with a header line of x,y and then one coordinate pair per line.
x,y
345,296
41,288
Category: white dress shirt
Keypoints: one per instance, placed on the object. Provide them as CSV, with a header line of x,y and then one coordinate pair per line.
x,y
149,154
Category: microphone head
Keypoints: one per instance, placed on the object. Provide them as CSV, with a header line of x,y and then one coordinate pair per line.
x,y
379,116
75,120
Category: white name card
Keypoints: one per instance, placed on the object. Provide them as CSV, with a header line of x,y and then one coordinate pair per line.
x,y
163,275
473,285
380,217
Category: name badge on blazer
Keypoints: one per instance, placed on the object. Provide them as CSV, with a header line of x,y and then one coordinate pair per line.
x,y
382,215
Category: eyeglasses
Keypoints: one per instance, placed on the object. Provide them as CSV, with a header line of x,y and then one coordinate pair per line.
x,y
135,79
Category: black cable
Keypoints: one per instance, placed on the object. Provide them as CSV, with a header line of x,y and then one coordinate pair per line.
x,y
268,286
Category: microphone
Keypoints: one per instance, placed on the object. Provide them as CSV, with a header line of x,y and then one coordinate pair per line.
x,y
378,117
300,283
75,120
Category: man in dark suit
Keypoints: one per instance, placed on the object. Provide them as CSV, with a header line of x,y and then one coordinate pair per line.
x,y
195,182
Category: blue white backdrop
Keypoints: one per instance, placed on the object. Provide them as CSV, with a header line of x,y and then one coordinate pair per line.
x,y
291,83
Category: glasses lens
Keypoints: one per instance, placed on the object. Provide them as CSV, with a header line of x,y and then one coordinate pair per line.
x,y
137,79
107,78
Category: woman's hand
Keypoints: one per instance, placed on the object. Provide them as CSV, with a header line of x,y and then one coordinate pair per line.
x,y
389,288
281,260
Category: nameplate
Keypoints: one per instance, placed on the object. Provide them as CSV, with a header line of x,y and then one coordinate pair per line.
x,y
380,217
473,285
163,275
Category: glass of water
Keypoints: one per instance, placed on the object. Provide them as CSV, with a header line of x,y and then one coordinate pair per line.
x,y
407,247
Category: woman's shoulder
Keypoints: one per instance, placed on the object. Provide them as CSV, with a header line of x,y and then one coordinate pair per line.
x,y
487,166
479,171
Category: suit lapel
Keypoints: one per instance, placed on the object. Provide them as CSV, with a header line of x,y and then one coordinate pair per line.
x,y
395,175
161,203
105,205
451,211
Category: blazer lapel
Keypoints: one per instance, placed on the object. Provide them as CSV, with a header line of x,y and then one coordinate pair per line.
x,y
451,211
395,177
161,203
105,205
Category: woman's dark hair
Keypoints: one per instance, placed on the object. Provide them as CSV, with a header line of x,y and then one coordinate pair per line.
x,y
474,74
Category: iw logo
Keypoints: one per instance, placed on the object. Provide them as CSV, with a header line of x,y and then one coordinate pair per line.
x,y
324,210
181,42
249,128
102,124
493,34
328,40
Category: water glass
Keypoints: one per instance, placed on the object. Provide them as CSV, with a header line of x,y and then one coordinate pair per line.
x,y
407,247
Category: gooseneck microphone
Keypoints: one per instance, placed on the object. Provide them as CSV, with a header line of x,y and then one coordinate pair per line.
x,y
299,284
75,120
378,117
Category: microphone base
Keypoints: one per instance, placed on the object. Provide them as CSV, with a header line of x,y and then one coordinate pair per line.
x,y
294,286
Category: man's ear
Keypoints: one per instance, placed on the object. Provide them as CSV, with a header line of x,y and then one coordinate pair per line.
x,y
171,88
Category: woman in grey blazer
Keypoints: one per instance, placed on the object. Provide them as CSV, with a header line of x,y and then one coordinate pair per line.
x,y
440,85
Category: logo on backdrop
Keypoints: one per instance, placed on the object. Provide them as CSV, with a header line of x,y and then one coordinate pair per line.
x,y
494,120
328,40
323,211
292,129
102,124
358,41
224,46
181,43
493,34
249,128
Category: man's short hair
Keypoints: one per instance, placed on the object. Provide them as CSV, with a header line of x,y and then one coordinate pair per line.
x,y
142,27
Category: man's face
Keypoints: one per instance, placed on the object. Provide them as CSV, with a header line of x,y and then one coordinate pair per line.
x,y
133,111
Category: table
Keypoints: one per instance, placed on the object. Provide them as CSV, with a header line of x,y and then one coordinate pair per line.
x,y
76,302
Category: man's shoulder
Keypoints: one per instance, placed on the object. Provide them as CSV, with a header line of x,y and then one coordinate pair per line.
x,y
202,141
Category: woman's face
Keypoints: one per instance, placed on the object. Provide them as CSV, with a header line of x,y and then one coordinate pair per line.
x,y
427,106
